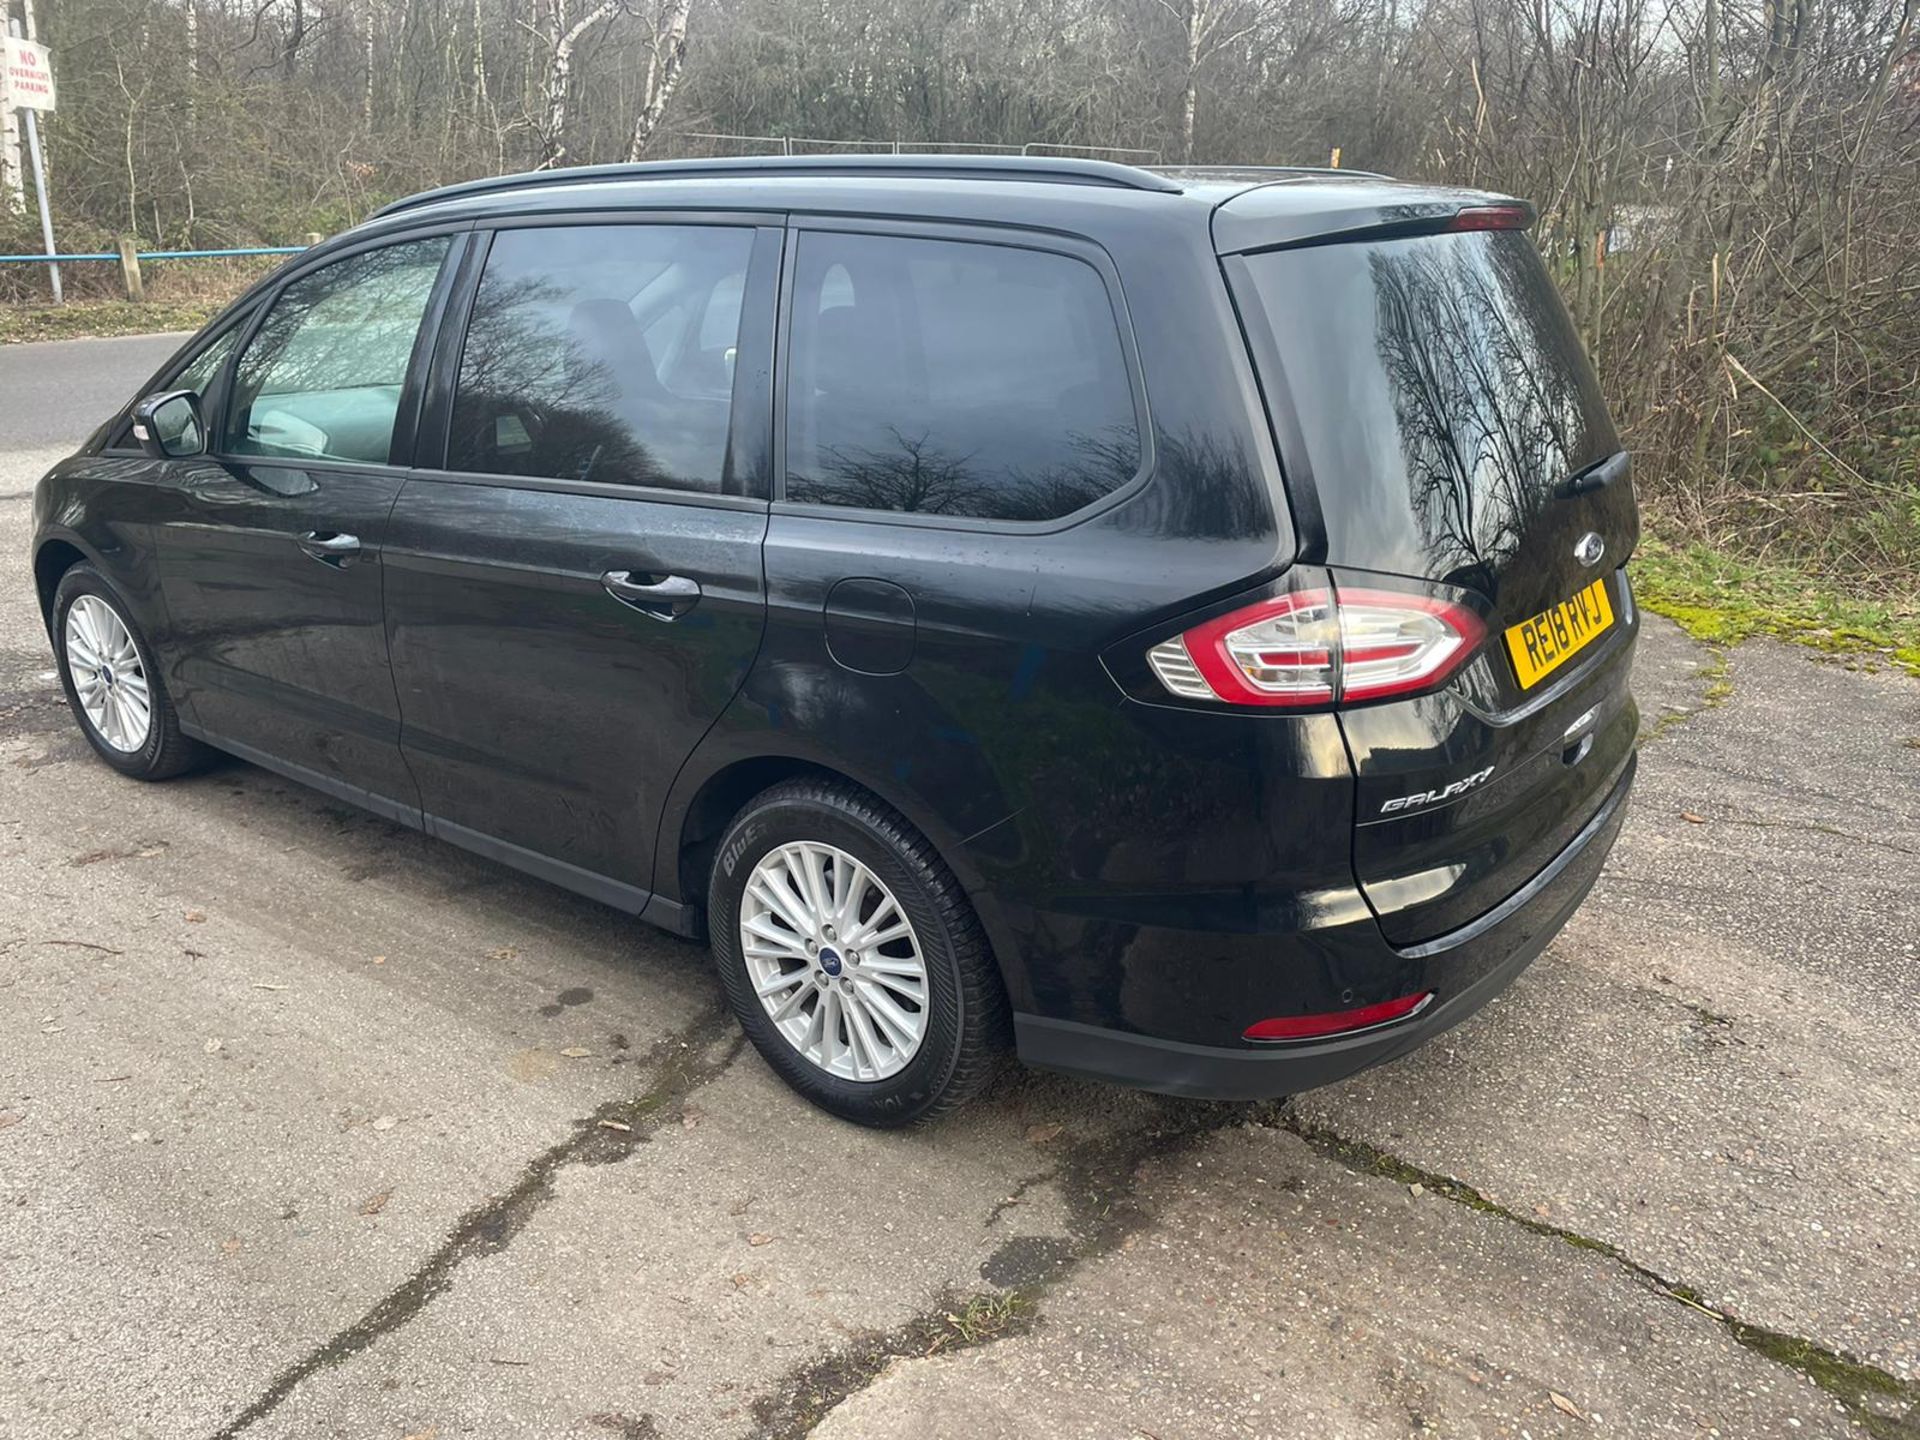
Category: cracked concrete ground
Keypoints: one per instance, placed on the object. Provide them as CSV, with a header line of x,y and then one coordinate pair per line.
x,y
310,1126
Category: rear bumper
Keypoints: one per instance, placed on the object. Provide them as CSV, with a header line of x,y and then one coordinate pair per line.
x,y
1465,968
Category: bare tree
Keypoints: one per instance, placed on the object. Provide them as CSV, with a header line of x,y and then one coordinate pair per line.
x,y
1206,28
562,34
666,44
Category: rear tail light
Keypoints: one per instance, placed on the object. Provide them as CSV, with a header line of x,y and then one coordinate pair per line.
x,y
1319,647
1338,1022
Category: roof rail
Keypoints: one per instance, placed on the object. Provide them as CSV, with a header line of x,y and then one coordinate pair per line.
x,y
1226,170
1057,170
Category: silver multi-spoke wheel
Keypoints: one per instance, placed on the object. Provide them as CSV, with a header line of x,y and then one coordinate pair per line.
x,y
835,961
107,674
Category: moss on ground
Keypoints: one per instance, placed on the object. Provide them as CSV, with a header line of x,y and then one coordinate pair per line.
x,y
1722,599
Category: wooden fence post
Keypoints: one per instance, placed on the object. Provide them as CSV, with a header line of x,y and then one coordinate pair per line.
x,y
130,268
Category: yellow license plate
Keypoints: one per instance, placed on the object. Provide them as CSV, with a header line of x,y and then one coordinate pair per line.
x,y
1543,644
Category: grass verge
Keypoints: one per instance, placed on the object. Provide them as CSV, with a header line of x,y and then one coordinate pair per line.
x,y
77,318
1723,599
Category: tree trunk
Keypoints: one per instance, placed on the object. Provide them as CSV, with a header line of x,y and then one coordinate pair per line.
x,y
560,74
668,58
296,36
1190,95
479,66
191,10
366,89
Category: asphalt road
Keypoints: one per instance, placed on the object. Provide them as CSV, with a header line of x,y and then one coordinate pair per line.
x,y
313,1127
53,394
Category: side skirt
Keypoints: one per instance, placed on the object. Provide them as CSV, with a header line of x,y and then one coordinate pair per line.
x,y
655,910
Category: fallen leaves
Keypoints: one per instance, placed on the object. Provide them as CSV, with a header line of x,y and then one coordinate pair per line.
x,y
1693,819
10,1118
758,1239
385,1122
577,1052
1565,1406
195,917
1042,1134
145,851
374,1204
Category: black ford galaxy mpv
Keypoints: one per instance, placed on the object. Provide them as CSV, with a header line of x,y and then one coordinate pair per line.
x,y
1171,623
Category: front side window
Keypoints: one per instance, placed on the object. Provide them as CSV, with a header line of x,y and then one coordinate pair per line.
x,y
321,378
603,353
954,378
200,370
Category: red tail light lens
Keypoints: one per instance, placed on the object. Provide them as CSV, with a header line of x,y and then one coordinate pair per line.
x,y
1338,1022
1316,647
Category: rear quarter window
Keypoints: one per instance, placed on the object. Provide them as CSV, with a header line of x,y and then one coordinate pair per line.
x,y
952,378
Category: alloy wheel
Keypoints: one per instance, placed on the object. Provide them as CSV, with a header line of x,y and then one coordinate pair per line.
x,y
834,960
108,675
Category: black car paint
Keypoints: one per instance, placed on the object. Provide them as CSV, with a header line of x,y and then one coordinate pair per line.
x,y
1153,875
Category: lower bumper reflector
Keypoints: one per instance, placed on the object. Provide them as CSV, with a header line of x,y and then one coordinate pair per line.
x,y
1338,1022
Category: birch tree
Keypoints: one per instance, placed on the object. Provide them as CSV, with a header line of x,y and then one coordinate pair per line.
x,y
562,34
666,44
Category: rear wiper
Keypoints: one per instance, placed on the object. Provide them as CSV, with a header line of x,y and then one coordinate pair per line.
x,y
1596,476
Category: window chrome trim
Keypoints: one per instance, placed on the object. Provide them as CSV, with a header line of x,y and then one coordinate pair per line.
x,y
711,500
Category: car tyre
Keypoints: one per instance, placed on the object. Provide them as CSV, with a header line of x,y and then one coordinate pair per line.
x,y
113,682
835,833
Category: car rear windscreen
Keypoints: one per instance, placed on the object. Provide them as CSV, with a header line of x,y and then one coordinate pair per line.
x,y
1440,391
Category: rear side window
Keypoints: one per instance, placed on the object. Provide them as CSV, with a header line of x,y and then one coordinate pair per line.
x,y
321,377
603,353
950,378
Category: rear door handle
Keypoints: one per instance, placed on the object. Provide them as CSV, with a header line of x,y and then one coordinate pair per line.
x,y
665,597
330,547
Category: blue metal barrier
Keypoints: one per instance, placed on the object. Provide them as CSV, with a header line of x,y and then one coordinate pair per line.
x,y
155,255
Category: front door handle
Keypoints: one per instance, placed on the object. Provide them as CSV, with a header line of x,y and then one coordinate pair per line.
x,y
330,547
664,597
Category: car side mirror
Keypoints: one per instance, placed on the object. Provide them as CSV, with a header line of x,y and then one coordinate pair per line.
x,y
169,427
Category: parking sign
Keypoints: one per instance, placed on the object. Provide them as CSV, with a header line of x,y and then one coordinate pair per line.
x,y
28,78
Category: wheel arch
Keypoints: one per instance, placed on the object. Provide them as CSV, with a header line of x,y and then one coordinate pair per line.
x,y
52,558
699,810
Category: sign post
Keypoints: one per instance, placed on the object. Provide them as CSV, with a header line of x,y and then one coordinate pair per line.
x,y
27,83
